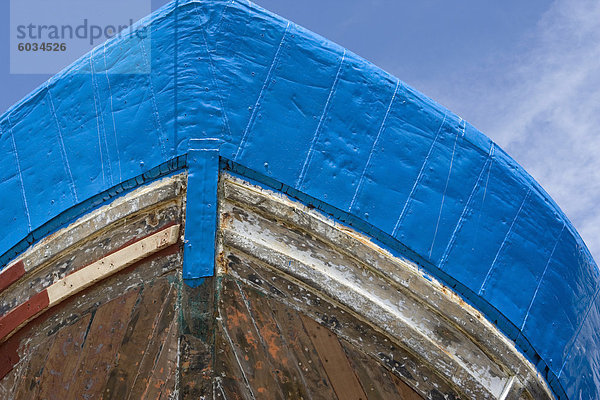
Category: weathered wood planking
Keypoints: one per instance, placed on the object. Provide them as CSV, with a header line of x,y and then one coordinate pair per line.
x,y
266,350
378,383
158,340
85,277
117,338
426,318
109,250
338,367
111,264
64,357
35,360
122,348
282,361
246,342
300,346
101,346
153,300
294,297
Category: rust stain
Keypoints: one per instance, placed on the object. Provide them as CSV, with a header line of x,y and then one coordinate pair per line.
x,y
272,340
222,263
236,320
226,220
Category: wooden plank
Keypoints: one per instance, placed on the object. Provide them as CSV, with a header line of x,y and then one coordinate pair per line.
x,y
344,324
165,367
30,382
87,276
249,354
145,316
283,363
230,381
377,381
406,392
157,334
289,324
11,274
23,313
63,359
102,343
171,389
299,343
340,372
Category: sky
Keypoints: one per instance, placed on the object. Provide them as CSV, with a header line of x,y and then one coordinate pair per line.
x,y
525,73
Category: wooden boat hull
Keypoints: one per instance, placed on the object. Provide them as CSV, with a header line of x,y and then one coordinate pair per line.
x,y
300,307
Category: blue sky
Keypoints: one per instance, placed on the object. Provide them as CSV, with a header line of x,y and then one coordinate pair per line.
x,y
526,73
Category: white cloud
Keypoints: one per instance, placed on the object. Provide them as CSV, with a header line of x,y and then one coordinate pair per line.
x,y
542,105
551,113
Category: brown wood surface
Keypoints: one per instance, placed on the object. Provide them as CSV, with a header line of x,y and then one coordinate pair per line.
x,y
251,355
230,380
165,368
30,382
63,359
378,382
153,298
291,297
332,355
266,350
299,344
282,361
407,393
157,335
109,350
101,345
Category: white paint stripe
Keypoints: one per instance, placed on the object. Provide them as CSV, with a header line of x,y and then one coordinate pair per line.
x,y
111,264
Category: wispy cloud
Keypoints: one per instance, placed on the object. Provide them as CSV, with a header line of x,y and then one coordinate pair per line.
x,y
551,113
542,104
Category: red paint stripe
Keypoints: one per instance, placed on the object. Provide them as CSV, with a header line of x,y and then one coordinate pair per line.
x,y
38,302
9,356
11,274
22,313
